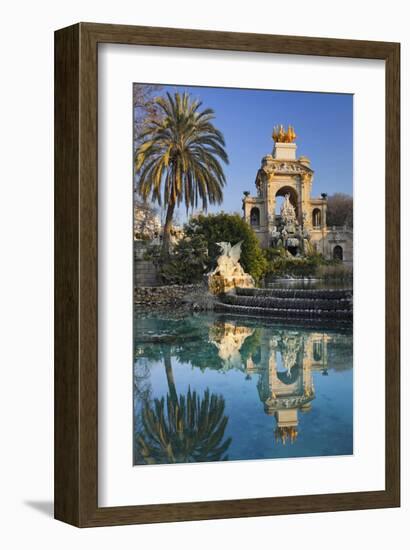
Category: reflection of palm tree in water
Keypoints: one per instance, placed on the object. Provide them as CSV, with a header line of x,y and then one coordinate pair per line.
x,y
180,429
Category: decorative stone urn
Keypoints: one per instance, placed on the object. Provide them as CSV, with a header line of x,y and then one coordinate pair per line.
x,y
229,273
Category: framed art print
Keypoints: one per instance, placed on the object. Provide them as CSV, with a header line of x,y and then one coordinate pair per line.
x,y
227,275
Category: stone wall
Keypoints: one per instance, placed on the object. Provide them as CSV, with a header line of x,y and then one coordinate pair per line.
x,y
340,237
157,297
145,273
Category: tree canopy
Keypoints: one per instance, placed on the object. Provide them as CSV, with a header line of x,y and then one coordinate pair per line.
x,y
340,210
178,158
232,228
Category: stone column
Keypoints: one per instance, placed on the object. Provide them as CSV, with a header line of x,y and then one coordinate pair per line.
x,y
270,204
306,181
324,213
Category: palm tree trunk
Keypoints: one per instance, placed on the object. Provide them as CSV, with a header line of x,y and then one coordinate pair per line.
x,y
166,238
170,376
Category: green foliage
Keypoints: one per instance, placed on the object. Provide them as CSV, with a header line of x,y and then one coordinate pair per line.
x,y
251,345
281,263
214,228
184,428
178,158
187,263
196,253
273,253
335,271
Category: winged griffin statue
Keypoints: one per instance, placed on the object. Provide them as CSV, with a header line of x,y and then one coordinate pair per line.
x,y
228,273
228,261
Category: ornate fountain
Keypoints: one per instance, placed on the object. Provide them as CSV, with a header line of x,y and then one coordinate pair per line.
x,y
289,234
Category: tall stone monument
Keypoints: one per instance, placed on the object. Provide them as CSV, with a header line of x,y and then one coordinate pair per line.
x,y
283,174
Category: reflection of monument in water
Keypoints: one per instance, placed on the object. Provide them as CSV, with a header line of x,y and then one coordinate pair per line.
x,y
285,361
285,384
229,338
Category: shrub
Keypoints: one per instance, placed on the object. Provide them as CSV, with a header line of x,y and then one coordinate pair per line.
x,y
271,254
281,263
335,271
187,263
214,228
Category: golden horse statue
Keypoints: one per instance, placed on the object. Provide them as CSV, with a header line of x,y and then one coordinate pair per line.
x,y
280,135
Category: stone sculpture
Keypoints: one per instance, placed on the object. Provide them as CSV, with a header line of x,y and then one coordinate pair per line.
x,y
280,135
287,211
229,273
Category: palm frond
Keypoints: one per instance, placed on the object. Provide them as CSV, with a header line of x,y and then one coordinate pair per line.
x,y
189,429
179,157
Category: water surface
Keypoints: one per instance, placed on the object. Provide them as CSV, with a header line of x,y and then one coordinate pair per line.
x,y
211,387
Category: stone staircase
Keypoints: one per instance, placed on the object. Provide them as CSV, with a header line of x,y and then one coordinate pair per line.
x,y
290,304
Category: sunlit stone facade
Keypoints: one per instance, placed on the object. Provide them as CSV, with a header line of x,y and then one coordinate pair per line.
x,y
283,174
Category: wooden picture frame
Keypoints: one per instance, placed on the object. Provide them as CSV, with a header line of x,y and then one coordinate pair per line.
x,y
76,279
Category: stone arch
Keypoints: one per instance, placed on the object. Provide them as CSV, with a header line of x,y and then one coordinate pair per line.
x,y
289,378
317,218
338,253
255,217
293,198
257,356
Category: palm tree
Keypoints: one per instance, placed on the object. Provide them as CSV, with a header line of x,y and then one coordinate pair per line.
x,y
182,429
177,160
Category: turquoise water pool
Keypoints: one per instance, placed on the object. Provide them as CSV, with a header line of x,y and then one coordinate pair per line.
x,y
212,387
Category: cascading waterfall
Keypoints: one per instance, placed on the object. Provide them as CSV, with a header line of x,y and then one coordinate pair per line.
x,y
294,304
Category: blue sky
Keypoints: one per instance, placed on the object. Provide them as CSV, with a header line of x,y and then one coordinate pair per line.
x,y
323,124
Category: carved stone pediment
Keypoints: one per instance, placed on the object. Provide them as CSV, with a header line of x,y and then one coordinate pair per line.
x,y
272,166
287,167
